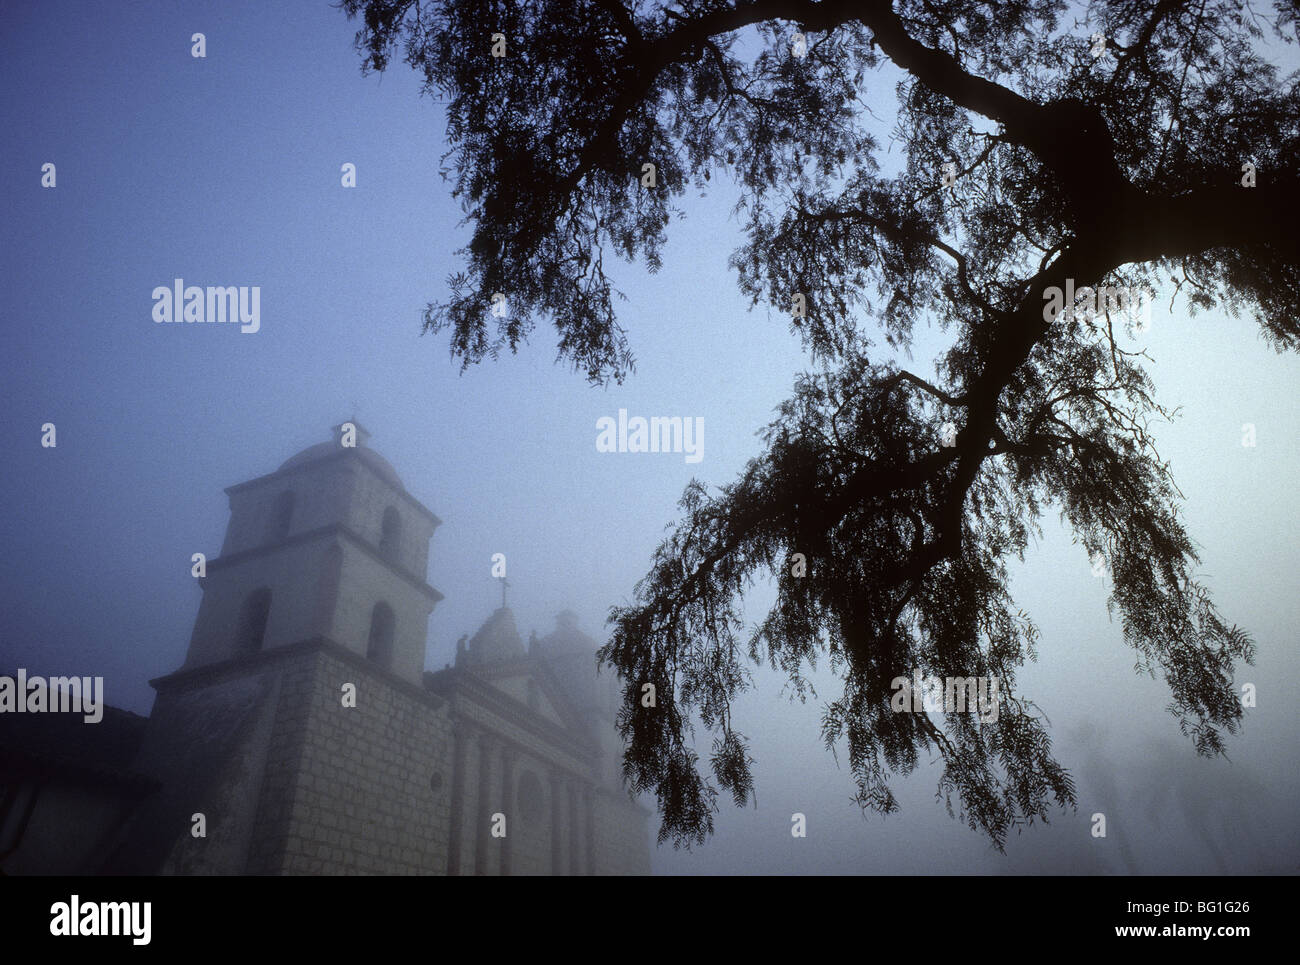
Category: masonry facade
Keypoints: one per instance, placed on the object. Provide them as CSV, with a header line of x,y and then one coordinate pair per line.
x,y
302,734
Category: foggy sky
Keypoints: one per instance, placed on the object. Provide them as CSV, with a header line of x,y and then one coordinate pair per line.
x,y
225,171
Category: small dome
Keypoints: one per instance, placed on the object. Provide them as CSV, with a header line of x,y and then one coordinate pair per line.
x,y
566,637
371,458
497,640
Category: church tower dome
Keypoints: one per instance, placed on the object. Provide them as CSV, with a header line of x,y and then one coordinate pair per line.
x,y
321,450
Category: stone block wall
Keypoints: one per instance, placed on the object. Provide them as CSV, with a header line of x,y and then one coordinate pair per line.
x,y
351,790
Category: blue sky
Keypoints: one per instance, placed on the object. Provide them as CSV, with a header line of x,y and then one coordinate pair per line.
x,y
225,171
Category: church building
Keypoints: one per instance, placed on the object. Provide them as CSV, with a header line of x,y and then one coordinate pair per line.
x,y
302,734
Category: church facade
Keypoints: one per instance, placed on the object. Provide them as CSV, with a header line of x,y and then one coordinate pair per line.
x,y
302,734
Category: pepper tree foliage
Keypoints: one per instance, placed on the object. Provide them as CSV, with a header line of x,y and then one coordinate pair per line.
x,y
1118,169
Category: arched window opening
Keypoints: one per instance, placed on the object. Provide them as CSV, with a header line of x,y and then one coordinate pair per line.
x,y
391,535
252,622
281,516
379,648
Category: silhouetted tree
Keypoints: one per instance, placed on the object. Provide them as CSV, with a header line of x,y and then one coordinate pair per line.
x,y
1108,150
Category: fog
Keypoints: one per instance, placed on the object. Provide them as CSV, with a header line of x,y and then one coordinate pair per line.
x,y
225,171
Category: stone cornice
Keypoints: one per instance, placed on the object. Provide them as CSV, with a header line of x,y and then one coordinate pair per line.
x,y
333,529
236,667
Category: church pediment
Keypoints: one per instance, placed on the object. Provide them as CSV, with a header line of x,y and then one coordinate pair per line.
x,y
531,682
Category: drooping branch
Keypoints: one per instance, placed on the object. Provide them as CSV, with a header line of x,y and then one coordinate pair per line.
x,y
907,536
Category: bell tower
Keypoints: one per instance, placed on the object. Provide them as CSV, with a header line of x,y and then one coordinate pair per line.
x,y
329,545
299,728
